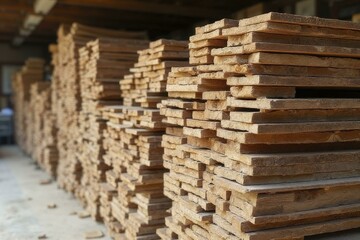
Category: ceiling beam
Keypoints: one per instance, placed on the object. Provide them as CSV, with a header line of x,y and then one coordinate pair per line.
x,y
9,36
116,15
55,21
16,7
31,20
151,7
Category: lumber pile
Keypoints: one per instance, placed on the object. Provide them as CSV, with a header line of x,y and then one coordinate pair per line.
x,y
50,157
51,154
31,118
31,72
194,113
34,120
45,130
272,151
68,92
134,184
207,38
38,106
102,63
55,80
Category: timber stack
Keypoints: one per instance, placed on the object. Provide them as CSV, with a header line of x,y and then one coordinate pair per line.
x,y
102,63
34,120
50,156
44,134
194,112
31,72
68,91
133,143
272,153
51,153
39,103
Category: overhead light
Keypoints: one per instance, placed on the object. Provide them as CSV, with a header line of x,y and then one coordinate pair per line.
x,y
18,41
44,6
25,32
32,20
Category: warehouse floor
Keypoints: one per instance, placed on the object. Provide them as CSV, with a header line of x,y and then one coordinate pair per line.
x,y
24,212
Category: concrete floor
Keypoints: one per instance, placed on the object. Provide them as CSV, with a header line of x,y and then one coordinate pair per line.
x,y
24,212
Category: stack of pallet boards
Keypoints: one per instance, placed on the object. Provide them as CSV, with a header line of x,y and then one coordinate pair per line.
x,y
67,89
277,156
31,72
102,63
133,144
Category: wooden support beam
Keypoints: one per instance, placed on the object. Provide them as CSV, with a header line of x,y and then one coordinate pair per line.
x,y
112,16
15,6
152,7
55,21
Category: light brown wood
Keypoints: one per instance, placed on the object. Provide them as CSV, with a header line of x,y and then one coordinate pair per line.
x,y
133,141
285,155
35,122
297,19
303,60
258,139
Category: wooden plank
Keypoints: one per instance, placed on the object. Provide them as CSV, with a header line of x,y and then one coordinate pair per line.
x,y
308,230
277,104
263,37
303,60
284,138
284,187
198,132
326,115
291,127
297,19
253,92
288,48
295,81
292,29
223,23
281,70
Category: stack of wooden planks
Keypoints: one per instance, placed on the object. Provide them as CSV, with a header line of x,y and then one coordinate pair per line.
x,y
50,158
265,145
68,91
51,153
207,38
55,79
34,120
134,188
39,103
42,135
114,158
31,72
102,63
194,112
